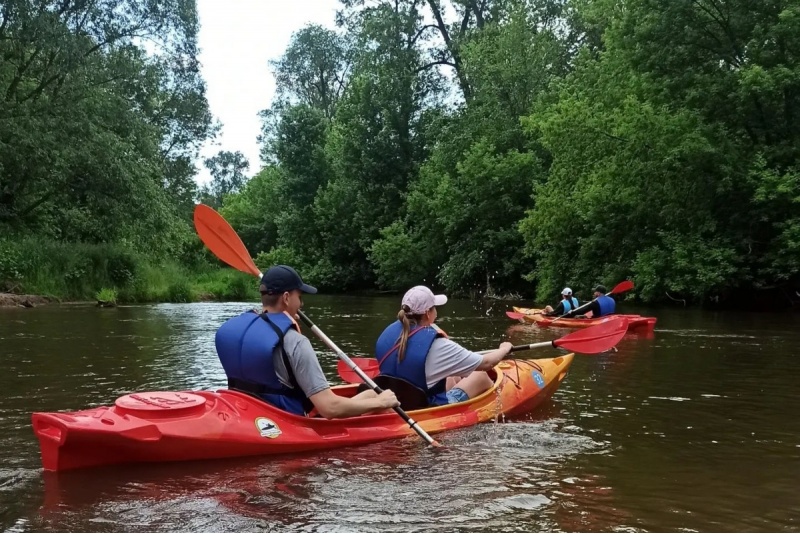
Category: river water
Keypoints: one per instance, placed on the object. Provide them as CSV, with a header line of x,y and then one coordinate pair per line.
x,y
696,428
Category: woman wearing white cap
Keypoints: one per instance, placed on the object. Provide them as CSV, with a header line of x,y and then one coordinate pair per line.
x,y
567,304
415,350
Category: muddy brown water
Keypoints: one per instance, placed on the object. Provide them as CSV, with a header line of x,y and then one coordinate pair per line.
x,y
694,429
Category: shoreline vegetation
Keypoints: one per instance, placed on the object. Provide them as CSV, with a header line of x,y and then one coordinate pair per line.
x,y
34,272
513,147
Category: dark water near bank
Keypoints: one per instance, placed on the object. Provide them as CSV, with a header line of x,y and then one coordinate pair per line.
x,y
696,429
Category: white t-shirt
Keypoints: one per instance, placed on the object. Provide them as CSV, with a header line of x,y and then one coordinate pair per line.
x,y
448,358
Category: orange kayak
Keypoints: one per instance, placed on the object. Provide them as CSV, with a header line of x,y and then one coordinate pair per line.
x,y
168,426
636,323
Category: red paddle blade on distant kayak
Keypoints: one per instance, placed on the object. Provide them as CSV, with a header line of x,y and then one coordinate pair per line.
x,y
368,365
595,339
222,240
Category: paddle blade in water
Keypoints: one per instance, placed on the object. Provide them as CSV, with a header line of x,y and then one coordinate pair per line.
x,y
368,365
595,339
222,240
515,315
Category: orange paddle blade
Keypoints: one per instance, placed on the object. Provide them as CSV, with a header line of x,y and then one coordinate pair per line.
x,y
222,240
515,315
368,365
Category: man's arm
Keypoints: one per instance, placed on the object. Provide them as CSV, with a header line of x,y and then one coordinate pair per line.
x,y
332,406
592,306
312,381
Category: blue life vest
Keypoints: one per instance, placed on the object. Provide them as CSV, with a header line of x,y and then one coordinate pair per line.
x,y
412,368
569,305
607,305
246,347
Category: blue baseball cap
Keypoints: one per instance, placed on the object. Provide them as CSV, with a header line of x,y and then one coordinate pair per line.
x,y
282,278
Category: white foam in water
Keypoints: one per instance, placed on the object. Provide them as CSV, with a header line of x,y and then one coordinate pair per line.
x,y
525,501
545,440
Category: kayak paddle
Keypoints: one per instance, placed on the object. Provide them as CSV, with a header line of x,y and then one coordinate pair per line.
x,y
518,315
592,340
622,287
368,365
221,239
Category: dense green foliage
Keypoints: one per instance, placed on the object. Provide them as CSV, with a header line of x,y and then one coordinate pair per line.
x,y
489,147
521,145
98,136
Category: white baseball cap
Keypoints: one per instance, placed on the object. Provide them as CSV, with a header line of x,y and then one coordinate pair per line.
x,y
566,291
420,299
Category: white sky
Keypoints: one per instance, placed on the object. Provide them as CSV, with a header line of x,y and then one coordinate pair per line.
x,y
237,39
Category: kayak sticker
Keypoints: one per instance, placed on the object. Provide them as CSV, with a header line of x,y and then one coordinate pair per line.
x,y
538,378
267,428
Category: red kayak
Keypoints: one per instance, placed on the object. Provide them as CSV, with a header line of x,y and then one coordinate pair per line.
x,y
636,323
166,426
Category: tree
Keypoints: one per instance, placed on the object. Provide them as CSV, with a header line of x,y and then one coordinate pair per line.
x,y
313,73
227,176
95,134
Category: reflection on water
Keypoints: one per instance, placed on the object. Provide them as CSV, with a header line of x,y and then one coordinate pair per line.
x,y
670,433
480,478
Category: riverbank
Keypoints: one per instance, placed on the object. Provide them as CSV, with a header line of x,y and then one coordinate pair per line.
x,y
156,285
10,300
35,272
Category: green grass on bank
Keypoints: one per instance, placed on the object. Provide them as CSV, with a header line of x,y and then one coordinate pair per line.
x,y
79,271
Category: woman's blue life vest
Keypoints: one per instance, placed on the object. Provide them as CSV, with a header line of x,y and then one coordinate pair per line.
x,y
570,304
412,368
607,305
246,347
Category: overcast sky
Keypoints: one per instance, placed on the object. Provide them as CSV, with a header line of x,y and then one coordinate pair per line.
x,y
237,39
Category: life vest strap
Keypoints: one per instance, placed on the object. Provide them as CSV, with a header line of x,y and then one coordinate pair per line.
x,y
252,388
397,345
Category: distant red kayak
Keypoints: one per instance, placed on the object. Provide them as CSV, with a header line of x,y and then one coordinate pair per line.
x,y
168,426
636,323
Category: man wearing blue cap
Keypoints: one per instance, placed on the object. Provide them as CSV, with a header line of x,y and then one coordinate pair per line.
x,y
265,355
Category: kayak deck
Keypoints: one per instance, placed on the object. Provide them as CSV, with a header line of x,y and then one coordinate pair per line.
x,y
169,426
636,323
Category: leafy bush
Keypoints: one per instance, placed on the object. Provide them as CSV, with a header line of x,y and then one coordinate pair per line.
x,y
106,295
180,291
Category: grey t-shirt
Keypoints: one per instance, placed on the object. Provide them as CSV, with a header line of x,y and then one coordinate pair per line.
x,y
304,362
448,358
